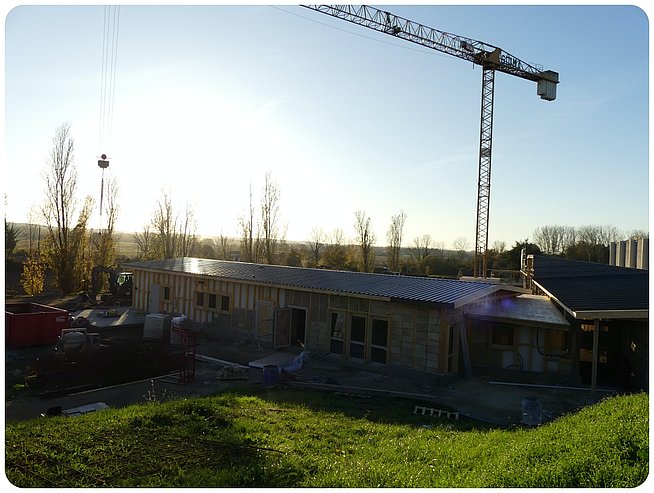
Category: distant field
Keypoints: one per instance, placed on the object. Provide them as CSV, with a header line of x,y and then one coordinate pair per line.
x,y
125,247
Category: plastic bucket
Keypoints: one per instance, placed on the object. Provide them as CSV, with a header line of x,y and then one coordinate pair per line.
x,y
270,373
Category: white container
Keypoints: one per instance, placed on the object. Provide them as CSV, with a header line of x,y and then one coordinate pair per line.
x,y
157,326
179,322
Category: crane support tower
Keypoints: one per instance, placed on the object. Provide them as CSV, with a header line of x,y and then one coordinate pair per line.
x,y
490,58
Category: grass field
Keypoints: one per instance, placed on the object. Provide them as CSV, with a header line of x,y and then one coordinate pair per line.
x,y
283,438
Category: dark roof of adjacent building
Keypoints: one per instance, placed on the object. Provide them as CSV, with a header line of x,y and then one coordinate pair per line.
x,y
394,287
590,287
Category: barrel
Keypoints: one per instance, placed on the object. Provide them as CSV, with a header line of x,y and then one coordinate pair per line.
x,y
270,373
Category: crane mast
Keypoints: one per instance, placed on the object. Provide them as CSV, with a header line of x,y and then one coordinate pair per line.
x,y
490,58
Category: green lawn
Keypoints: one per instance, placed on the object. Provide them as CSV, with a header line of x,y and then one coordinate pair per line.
x,y
312,439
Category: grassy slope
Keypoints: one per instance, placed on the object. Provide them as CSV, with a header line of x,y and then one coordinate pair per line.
x,y
240,440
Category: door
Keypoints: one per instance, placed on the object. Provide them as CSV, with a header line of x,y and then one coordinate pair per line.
x,y
282,328
265,318
153,298
298,325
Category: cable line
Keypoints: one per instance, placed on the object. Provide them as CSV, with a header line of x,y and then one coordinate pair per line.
x,y
111,26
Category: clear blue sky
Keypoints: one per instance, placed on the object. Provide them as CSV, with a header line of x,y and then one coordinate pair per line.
x,y
207,99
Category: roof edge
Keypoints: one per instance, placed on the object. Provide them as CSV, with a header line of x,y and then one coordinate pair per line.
x,y
611,314
492,288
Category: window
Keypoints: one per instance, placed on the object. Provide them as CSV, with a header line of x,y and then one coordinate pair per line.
x,y
502,335
379,342
357,337
224,303
337,335
556,342
213,301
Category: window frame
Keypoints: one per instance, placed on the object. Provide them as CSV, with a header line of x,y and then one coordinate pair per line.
x,y
359,344
377,347
501,345
337,331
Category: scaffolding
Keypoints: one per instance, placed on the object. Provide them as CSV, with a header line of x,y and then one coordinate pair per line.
x,y
187,340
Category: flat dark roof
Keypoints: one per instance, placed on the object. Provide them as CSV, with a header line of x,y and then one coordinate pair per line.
x,y
592,287
449,292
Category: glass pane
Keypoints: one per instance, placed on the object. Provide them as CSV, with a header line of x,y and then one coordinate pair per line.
x,y
337,326
379,332
356,350
378,355
336,347
502,335
358,329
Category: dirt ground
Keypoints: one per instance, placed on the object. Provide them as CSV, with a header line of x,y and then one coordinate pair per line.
x,y
125,369
134,371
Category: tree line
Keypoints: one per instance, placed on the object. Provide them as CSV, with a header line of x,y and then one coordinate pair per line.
x,y
66,246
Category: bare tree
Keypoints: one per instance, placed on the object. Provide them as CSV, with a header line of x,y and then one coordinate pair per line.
x,y
59,207
461,246
246,223
499,246
365,240
421,249
171,237
394,237
105,241
550,239
316,244
335,254
270,219
187,233
164,224
81,240
637,234
224,246
439,246
592,242
145,244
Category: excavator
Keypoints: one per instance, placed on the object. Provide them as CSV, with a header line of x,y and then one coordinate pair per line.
x,y
120,284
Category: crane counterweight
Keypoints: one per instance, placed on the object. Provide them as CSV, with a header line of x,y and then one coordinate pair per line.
x,y
546,87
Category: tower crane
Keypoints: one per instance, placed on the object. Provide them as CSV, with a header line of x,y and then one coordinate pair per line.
x,y
490,58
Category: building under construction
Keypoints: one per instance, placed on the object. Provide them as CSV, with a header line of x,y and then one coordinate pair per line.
x,y
412,324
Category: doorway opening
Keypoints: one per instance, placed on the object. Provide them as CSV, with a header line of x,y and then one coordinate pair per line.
x,y
298,325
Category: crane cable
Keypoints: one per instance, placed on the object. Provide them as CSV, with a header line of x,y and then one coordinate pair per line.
x,y
107,86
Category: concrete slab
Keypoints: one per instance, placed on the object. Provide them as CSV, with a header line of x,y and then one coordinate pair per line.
x,y
273,359
125,316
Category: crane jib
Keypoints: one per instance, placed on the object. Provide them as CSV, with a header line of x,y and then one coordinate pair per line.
x,y
462,47
490,58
